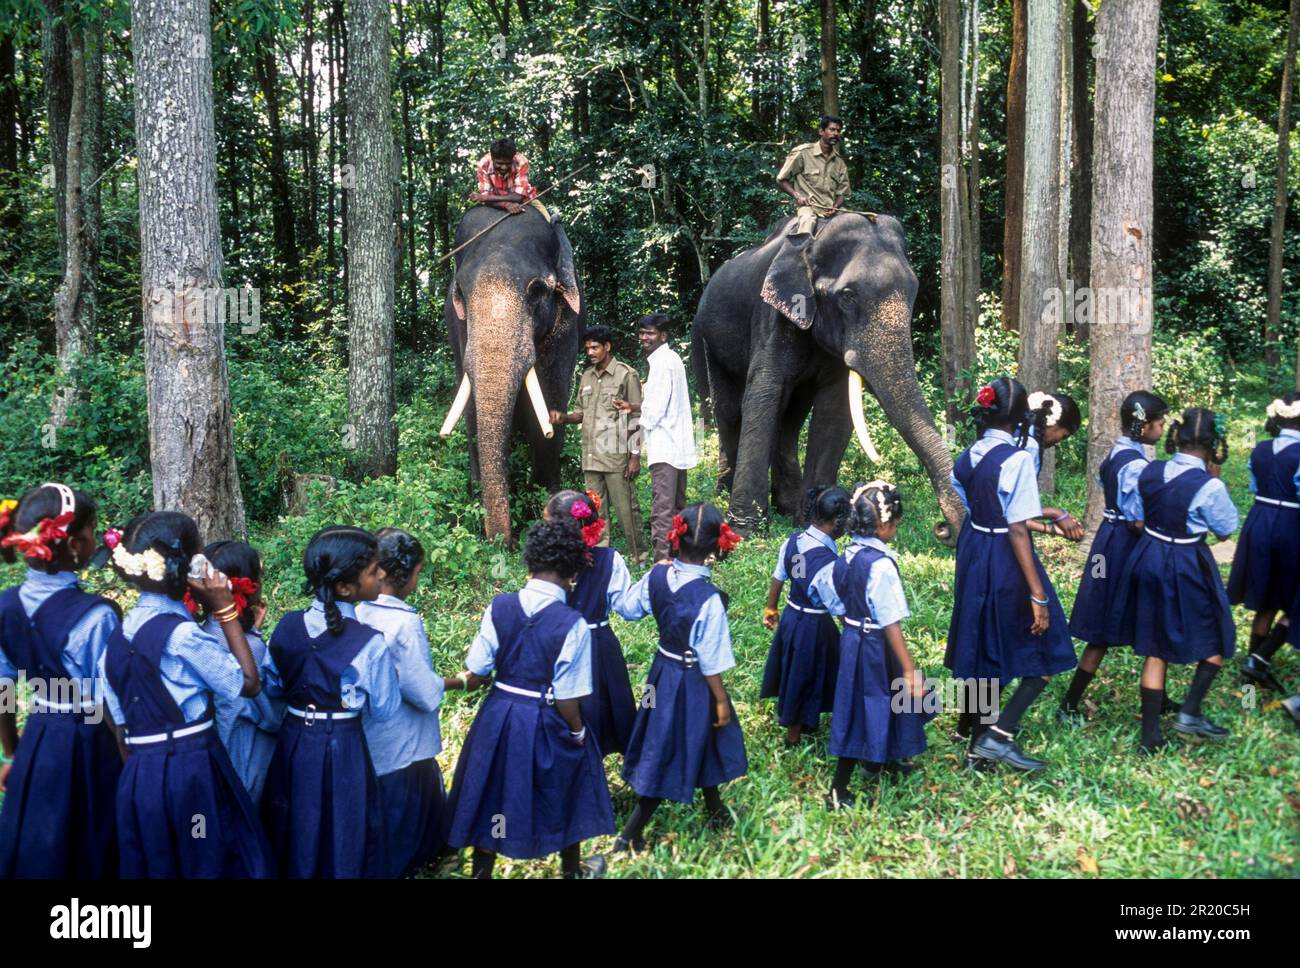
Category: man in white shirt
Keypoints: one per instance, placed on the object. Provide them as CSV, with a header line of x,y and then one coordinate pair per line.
x,y
667,438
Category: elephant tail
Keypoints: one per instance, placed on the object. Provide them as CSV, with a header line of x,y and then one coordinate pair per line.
x,y
703,376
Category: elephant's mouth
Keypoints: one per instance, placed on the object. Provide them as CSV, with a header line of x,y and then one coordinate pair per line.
x,y
531,386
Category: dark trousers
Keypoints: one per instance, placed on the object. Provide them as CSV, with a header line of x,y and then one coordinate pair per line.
x,y
668,486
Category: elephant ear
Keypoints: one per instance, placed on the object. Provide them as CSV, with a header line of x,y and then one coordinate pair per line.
x,y
788,286
566,274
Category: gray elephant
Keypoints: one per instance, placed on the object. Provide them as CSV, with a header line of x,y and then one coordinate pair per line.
x,y
514,318
785,329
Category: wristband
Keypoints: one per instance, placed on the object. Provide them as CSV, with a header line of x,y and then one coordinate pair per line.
x,y
1064,515
4,760
580,735
1038,601
771,611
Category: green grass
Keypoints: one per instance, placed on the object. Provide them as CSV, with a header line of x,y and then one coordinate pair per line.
x,y
1198,810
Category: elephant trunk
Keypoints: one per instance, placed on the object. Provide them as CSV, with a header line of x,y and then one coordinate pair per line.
x,y
892,378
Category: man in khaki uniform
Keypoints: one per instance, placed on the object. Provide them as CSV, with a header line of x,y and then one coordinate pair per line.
x,y
816,177
611,440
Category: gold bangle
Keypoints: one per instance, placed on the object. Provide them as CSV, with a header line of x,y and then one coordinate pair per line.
x,y
228,614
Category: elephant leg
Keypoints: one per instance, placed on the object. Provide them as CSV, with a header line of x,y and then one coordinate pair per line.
x,y
787,486
726,412
764,403
828,436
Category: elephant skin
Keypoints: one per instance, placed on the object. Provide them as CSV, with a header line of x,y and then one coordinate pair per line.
x,y
775,335
513,304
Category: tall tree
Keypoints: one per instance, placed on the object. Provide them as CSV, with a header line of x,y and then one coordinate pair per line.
x,y
1080,151
830,72
1040,281
1014,206
284,232
956,328
191,443
1121,275
371,242
1273,326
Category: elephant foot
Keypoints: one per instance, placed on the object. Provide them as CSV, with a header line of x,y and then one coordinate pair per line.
x,y
747,522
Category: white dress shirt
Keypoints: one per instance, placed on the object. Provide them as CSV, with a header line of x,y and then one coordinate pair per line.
x,y
666,433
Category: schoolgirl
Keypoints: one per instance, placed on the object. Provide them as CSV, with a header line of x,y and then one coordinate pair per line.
x,y
1142,422
1265,574
247,727
1007,622
60,777
878,718
322,804
609,709
529,781
803,660
1170,602
1051,418
404,747
686,735
182,810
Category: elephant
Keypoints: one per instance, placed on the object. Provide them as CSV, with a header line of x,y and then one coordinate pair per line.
x,y
793,326
514,317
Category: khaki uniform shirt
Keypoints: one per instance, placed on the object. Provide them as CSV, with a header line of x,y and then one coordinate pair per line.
x,y
608,437
820,179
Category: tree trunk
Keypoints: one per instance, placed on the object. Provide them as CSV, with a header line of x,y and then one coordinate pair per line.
x,y
1081,157
830,71
56,60
310,139
971,156
1014,207
371,242
191,443
11,213
71,339
282,215
1273,324
954,333
408,190
1040,281
1121,275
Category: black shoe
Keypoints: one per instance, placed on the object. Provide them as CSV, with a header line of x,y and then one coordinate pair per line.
x,y
1260,672
1145,750
834,801
1292,707
1198,726
624,846
1168,707
995,747
720,820
873,771
900,767
1071,717
591,869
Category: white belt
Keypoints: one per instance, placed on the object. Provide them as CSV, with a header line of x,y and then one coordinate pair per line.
x,y
311,715
865,626
1281,504
174,734
1113,516
810,611
530,693
690,661
64,707
598,625
1165,537
980,527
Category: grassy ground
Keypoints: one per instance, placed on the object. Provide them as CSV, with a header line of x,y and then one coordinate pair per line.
x,y
1198,810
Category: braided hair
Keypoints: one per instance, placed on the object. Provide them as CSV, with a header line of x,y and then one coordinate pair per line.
x,y
1278,421
1139,409
37,505
400,554
174,537
702,525
874,503
336,554
828,504
235,559
1199,427
553,546
1005,406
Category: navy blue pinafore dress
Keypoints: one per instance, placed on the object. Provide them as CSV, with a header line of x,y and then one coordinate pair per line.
x,y
321,803
59,818
182,811
1171,603
1110,549
523,786
988,637
609,710
804,658
1265,572
864,724
675,748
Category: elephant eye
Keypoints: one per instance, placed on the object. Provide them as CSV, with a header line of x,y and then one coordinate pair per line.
x,y
848,296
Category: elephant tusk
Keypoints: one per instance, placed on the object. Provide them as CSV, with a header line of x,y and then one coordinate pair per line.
x,y
534,389
457,407
859,421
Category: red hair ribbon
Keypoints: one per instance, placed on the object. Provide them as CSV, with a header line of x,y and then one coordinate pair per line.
x,y
986,397
36,542
594,498
591,533
727,539
676,531
242,589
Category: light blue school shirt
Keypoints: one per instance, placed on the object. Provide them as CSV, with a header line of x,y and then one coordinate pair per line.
x,y
87,641
1211,508
710,637
885,597
805,542
1285,438
369,683
247,726
1017,481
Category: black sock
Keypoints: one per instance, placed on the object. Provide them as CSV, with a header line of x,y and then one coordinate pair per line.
x,y
713,802
571,860
1205,673
965,723
1030,688
843,773
1077,685
645,806
481,863
1152,700
1267,648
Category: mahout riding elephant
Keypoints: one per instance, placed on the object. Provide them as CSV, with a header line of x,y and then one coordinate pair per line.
x,y
788,328
514,319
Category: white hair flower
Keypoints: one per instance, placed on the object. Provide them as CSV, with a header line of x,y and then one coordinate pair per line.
x,y
1038,400
880,502
147,562
1279,408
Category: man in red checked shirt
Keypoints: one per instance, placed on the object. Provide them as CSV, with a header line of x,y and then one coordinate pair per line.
x,y
503,178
